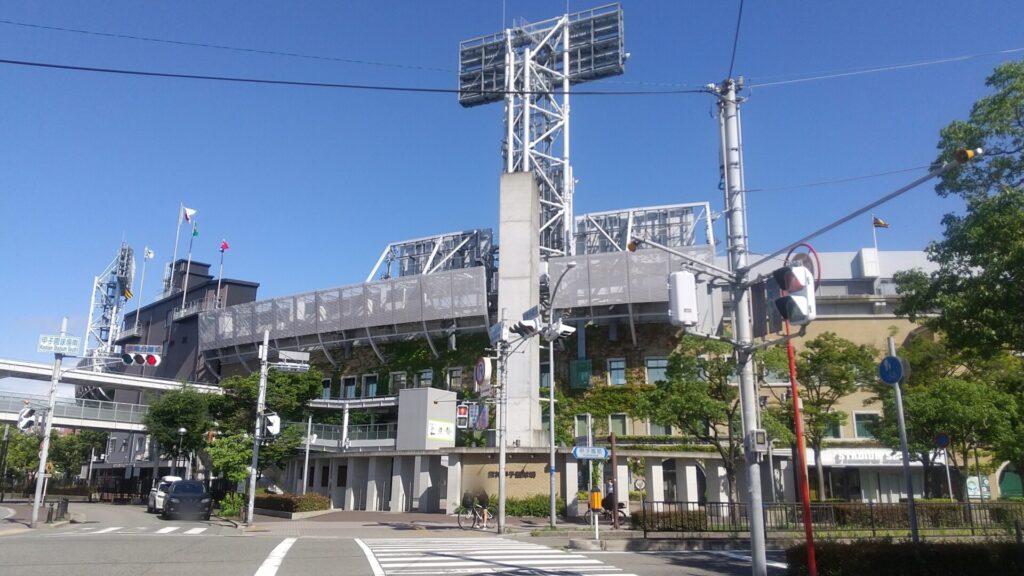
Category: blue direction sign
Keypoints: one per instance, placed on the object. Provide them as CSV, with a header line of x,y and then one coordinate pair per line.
x,y
890,370
590,453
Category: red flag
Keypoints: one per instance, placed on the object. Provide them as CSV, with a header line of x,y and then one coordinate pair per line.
x,y
224,245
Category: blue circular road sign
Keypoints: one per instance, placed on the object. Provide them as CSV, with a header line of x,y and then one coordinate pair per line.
x,y
941,440
890,370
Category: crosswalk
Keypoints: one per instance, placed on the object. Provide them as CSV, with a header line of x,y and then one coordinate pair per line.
x,y
140,530
465,556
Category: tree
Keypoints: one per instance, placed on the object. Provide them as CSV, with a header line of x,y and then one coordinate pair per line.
x,y
698,398
185,408
978,290
231,456
828,369
287,394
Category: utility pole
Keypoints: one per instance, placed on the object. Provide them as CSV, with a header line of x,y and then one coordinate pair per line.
x,y
736,238
3,462
260,407
44,449
305,462
501,409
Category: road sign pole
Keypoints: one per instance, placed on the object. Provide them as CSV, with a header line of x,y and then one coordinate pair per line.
x,y
911,510
44,449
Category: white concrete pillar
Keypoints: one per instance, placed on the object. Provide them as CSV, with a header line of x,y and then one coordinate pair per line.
x,y
622,482
453,494
350,482
570,485
421,485
397,488
717,482
686,480
654,477
371,484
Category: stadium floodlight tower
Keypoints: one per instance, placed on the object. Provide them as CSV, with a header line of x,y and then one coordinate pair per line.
x,y
530,67
110,291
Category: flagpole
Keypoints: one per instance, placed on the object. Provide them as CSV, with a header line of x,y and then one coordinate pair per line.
x,y
142,285
220,275
177,238
874,234
188,267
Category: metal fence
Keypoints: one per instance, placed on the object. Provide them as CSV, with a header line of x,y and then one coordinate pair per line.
x,y
867,518
333,432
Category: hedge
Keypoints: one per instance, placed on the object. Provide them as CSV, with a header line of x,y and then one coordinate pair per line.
x,y
293,502
676,521
909,559
537,505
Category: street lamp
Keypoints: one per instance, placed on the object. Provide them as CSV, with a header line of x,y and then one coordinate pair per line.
x,y
177,454
551,394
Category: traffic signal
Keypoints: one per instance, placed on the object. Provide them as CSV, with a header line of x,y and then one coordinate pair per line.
x,y
272,423
558,330
26,418
682,299
797,303
140,359
462,416
526,328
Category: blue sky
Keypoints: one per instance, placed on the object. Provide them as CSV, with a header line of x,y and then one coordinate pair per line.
x,y
309,184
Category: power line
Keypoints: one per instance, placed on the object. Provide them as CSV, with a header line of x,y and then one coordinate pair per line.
x,y
839,181
369,87
861,71
225,47
735,39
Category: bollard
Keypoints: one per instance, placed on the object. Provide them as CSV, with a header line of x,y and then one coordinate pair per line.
x,y
49,514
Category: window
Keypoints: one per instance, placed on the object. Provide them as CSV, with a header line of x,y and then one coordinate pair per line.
x,y
617,424
424,378
326,383
545,374
832,431
398,381
863,422
349,386
309,479
659,429
656,368
370,385
455,378
342,475
325,474
582,425
617,371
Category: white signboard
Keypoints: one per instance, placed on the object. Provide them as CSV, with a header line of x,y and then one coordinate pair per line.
x,y
441,430
59,344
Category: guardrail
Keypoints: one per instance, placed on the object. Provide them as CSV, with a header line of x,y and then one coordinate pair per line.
x,y
333,432
867,518
76,408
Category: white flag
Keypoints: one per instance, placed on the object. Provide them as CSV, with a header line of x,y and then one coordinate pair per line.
x,y
148,254
189,213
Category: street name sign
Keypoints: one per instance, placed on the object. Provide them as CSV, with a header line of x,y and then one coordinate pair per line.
x,y
590,453
143,349
59,344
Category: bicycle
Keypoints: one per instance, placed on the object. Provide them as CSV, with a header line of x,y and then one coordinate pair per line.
x,y
605,515
473,517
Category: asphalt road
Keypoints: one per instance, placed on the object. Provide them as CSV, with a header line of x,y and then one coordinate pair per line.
x,y
125,540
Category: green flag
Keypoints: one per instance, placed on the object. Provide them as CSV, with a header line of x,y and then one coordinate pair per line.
x,y
195,230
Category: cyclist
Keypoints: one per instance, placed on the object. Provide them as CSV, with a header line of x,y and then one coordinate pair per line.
x,y
483,500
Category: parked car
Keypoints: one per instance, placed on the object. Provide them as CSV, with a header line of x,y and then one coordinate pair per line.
x,y
187,498
157,493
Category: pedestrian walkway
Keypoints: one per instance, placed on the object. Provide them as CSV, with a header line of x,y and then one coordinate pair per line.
x,y
422,556
127,531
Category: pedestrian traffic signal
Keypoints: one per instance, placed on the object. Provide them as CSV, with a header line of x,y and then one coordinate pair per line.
x,y
26,418
272,423
797,302
140,359
526,328
462,416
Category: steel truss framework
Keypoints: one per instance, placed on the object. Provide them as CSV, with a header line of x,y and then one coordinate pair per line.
x,y
440,253
530,67
675,226
110,291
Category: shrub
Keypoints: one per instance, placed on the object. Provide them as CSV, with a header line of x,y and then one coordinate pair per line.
x,y
293,502
676,521
536,505
909,559
69,490
231,504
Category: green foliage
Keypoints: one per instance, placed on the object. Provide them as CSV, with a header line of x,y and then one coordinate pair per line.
x,y
909,559
287,394
185,408
231,505
277,450
231,456
599,402
22,454
676,521
537,505
829,368
308,502
698,399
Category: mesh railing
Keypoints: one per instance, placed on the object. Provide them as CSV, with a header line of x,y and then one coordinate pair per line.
x,y
77,408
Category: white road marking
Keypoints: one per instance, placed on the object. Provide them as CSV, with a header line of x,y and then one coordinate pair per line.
x,y
167,530
374,565
105,530
274,559
195,531
5,513
747,558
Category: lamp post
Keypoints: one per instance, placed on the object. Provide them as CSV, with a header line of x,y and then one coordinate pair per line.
x,y
551,396
177,453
